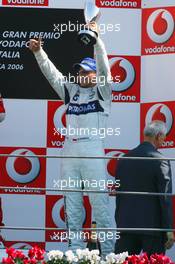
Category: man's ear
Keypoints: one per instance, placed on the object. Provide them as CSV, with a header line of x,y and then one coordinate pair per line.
x,y
158,136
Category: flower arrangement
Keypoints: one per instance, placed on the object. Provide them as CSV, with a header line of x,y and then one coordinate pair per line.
x,y
38,256
35,256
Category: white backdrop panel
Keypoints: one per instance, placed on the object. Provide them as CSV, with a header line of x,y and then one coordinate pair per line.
x,y
25,123
127,40
78,4
127,118
24,211
53,170
157,78
157,3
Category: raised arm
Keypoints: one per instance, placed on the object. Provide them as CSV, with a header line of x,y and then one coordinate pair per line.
x,y
103,69
52,74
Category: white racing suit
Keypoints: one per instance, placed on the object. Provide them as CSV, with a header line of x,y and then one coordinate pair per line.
x,y
86,108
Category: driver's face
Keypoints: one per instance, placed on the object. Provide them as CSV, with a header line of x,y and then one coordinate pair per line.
x,y
86,78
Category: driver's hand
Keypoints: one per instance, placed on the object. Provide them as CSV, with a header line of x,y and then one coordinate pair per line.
x,y
35,45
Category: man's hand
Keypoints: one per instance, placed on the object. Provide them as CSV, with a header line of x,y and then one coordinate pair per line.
x,y
170,240
34,45
93,26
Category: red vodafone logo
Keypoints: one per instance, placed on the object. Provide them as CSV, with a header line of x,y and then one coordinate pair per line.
x,y
59,119
25,2
158,31
56,124
160,112
56,217
111,164
22,246
160,26
163,111
123,74
118,3
23,169
58,214
111,167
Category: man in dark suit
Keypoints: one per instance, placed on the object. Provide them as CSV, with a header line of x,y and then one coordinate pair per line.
x,y
139,211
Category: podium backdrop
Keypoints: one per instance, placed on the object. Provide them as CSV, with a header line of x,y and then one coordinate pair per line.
x,y
140,42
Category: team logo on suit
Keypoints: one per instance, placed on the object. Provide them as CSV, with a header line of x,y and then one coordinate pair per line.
x,y
160,112
23,169
160,26
123,74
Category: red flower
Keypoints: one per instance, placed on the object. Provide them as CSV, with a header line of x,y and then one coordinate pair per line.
x,y
8,260
160,259
11,252
37,253
138,259
133,259
31,253
19,254
33,261
26,261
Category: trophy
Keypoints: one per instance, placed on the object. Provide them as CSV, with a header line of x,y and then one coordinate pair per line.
x,y
91,13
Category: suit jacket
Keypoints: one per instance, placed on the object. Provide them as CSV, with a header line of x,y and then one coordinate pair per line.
x,y
144,176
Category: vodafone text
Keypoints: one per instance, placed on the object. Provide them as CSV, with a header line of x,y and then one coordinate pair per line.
x,y
118,3
87,184
23,189
123,98
26,2
101,236
168,144
57,143
160,49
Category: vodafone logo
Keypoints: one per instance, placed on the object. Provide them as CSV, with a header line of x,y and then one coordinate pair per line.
x,y
59,118
123,74
25,2
58,215
160,26
160,112
111,165
22,169
22,246
118,3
